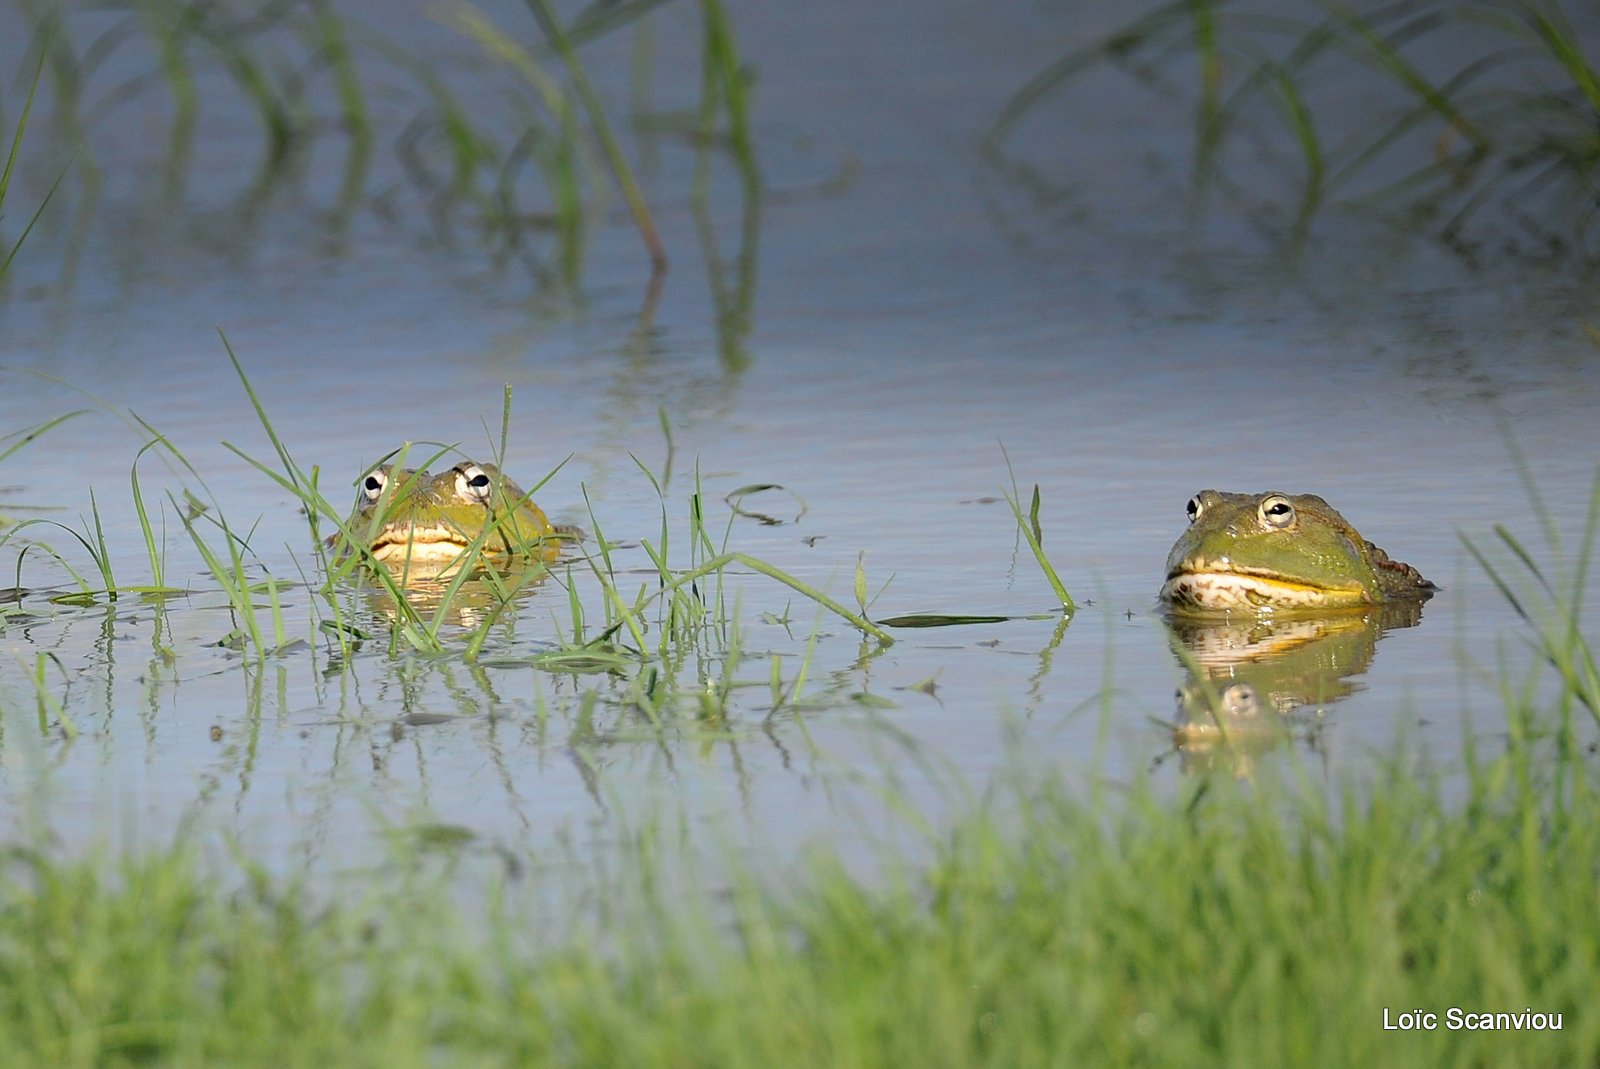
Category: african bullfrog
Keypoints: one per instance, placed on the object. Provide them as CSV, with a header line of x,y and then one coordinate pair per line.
x,y
1277,552
429,519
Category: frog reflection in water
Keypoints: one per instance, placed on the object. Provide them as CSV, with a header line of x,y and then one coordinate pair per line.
x,y
1276,607
1254,684
406,516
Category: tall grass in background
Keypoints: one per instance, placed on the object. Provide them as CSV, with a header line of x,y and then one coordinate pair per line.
x,y
1443,108
523,147
13,148
16,440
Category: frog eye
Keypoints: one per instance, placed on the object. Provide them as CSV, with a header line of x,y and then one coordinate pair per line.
x,y
1276,511
372,486
1240,699
473,482
1195,508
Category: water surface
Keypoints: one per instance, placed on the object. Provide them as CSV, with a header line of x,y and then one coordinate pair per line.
x,y
915,309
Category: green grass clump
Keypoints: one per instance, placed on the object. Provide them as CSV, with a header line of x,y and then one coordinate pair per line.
x,y
664,641
1219,923
1482,102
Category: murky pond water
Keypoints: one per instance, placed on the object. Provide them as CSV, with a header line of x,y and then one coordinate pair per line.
x,y
919,316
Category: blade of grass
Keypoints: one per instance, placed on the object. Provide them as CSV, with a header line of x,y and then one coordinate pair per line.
x,y
721,561
1030,533
14,153
550,25
150,545
23,437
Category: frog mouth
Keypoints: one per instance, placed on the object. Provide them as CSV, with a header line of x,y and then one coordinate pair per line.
x,y
1212,586
402,542
441,540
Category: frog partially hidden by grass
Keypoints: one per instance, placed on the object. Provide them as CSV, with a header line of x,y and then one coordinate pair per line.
x,y
404,515
1275,553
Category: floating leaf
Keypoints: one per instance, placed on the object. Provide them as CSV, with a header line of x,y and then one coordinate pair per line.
x,y
735,501
581,661
937,619
929,686
439,836
417,720
334,627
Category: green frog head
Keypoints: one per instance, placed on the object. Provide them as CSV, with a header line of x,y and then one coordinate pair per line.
x,y
405,516
1276,552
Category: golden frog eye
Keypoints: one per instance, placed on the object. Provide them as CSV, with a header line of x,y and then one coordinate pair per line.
x,y
1195,508
1276,511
